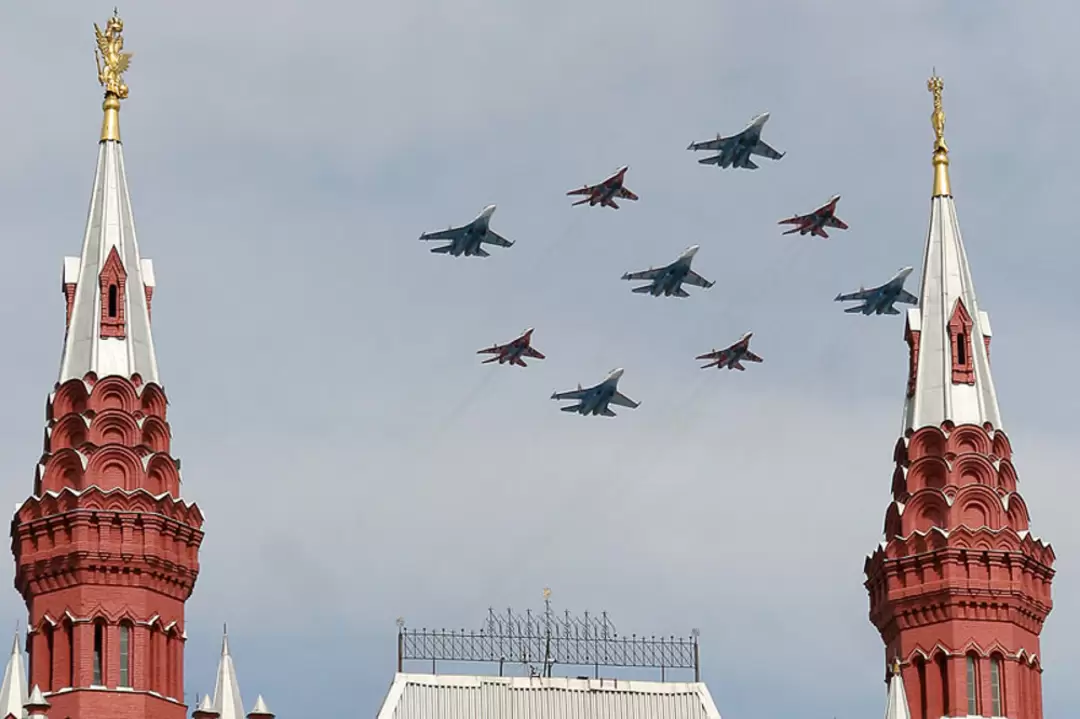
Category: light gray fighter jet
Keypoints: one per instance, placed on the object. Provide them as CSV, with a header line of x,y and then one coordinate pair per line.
x,y
880,300
668,280
735,150
466,240
595,400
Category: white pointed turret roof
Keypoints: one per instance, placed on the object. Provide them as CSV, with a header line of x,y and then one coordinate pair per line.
x,y
946,286
896,707
13,693
260,708
110,227
227,702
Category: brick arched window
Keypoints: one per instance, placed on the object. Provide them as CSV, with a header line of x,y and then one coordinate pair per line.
x,y
126,637
99,653
972,683
960,326
997,688
113,281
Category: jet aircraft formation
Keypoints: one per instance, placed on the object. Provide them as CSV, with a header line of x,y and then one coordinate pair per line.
x,y
734,151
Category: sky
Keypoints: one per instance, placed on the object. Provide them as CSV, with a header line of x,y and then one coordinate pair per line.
x,y
354,460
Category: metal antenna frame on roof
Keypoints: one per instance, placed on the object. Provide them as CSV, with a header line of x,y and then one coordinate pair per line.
x,y
546,640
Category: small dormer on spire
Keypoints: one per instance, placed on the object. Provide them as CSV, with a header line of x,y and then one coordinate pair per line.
x,y
941,151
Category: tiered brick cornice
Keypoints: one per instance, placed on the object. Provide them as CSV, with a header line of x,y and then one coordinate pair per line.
x,y
959,574
107,552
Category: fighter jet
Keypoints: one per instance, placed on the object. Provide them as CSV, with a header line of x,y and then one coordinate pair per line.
x,y
879,300
668,280
604,194
513,351
594,400
466,240
731,357
816,222
735,150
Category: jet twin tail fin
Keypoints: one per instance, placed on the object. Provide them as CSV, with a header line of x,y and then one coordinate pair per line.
x,y
571,408
607,412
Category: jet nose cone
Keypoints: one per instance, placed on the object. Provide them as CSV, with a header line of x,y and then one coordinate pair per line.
x,y
487,211
692,250
763,118
907,271
617,373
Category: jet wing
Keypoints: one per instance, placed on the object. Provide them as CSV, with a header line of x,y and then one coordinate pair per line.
x,y
450,234
494,238
622,400
530,352
907,298
751,357
587,190
765,150
572,394
693,278
834,221
720,356
718,143
626,194
494,349
860,295
796,220
650,274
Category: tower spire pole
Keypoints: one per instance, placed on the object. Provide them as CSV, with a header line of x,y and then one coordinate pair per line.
x,y
941,151
112,63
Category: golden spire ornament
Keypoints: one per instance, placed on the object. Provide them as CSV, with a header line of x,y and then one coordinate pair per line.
x,y
941,150
112,63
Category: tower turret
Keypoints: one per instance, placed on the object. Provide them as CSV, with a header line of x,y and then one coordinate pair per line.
x,y
960,587
106,551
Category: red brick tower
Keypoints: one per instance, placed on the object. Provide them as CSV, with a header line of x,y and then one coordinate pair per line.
x,y
106,551
960,588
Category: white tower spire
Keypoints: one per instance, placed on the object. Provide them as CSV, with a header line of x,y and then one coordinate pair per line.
x,y
227,702
13,692
896,706
949,336
109,287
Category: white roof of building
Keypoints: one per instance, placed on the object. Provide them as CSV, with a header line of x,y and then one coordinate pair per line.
x,y
110,225
946,282
13,692
428,696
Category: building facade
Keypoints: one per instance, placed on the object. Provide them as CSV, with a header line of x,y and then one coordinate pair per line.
x,y
960,588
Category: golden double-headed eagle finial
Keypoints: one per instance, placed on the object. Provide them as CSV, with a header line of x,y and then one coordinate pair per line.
x,y
112,63
941,151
